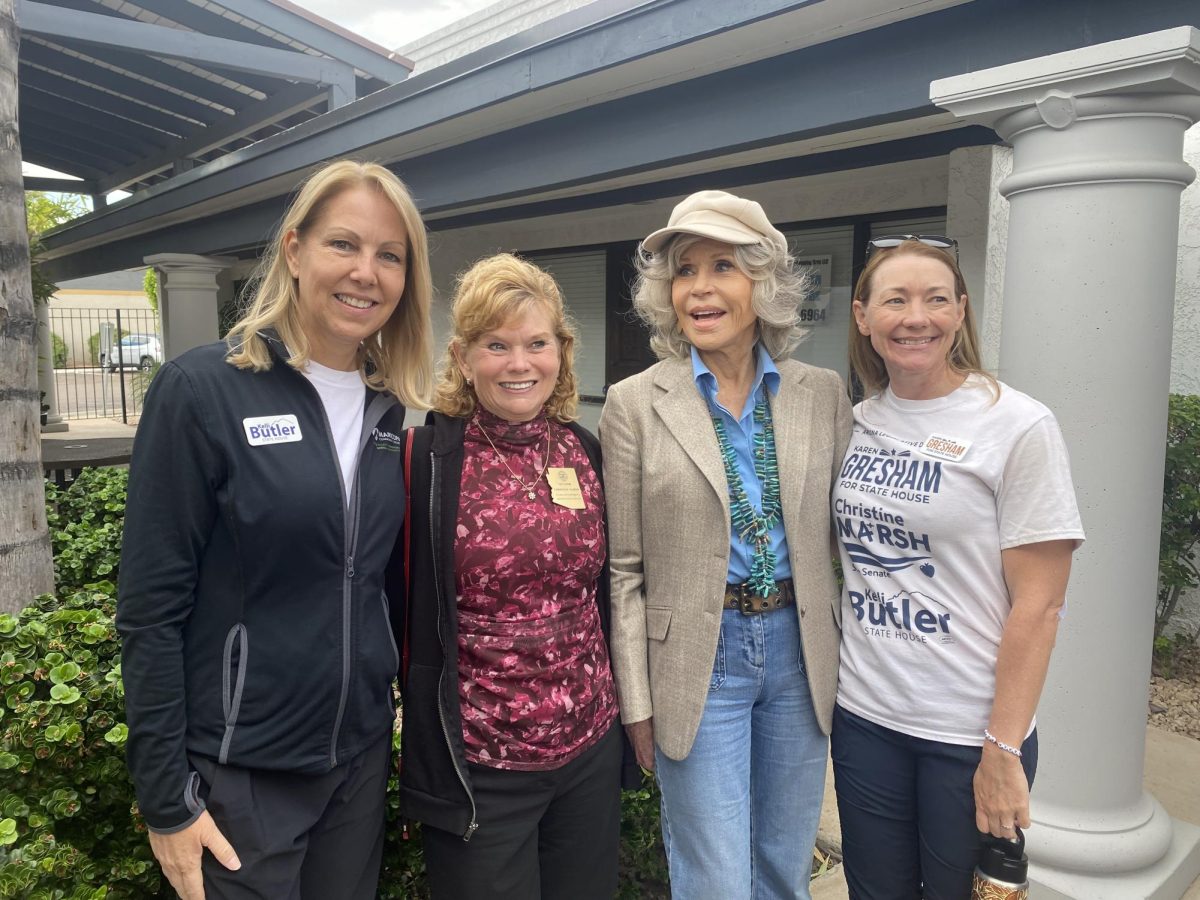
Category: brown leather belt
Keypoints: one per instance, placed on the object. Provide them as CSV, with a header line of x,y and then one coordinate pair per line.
x,y
741,597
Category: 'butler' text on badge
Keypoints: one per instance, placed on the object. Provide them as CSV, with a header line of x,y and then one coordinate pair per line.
x,y
272,430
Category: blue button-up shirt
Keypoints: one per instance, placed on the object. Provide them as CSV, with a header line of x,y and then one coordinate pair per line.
x,y
741,432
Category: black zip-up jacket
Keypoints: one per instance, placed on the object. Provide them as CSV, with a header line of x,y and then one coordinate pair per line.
x,y
435,784
251,605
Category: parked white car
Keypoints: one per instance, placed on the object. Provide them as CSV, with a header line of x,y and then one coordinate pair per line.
x,y
136,351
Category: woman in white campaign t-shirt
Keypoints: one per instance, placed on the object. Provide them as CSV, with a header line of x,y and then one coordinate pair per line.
x,y
956,519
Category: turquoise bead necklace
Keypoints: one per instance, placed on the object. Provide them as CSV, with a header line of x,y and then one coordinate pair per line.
x,y
755,528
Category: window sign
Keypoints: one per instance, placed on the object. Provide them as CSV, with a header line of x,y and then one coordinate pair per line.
x,y
814,308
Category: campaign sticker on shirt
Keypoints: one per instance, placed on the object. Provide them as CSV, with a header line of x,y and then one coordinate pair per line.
x,y
265,430
941,447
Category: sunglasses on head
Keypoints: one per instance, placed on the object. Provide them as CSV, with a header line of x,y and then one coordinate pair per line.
x,y
891,241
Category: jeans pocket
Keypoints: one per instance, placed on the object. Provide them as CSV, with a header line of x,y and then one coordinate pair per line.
x,y
800,661
718,670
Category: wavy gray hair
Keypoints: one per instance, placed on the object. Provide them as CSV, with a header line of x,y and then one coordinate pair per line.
x,y
778,289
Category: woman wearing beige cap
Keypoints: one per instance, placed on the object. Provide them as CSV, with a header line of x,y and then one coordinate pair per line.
x,y
718,462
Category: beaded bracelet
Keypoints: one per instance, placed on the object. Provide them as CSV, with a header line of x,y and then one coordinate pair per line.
x,y
991,739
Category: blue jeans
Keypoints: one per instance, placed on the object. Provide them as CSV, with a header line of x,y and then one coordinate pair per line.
x,y
739,813
907,808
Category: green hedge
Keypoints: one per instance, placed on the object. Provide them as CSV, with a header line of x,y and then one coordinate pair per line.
x,y
69,828
59,359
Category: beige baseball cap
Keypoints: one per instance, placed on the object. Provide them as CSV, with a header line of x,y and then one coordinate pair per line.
x,y
720,216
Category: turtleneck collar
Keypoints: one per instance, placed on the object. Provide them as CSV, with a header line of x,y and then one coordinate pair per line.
x,y
502,432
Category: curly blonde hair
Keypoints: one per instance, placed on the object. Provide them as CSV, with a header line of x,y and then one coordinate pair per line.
x,y
493,291
399,356
778,289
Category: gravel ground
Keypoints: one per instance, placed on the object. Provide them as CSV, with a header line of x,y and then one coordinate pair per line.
x,y
1175,693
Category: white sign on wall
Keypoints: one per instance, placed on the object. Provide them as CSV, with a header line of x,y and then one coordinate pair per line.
x,y
814,308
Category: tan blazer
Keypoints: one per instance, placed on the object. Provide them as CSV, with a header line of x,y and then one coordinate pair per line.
x,y
668,517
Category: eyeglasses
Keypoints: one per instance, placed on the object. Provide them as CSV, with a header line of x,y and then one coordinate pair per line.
x,y
891,241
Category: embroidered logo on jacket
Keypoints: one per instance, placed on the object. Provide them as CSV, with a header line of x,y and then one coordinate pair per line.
x,y
264,430
385,440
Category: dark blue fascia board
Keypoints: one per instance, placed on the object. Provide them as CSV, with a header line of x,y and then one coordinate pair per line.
x,y
924,146
632,30
250,227
867,79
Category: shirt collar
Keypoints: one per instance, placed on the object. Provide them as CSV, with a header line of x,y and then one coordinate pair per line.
x,y
765,370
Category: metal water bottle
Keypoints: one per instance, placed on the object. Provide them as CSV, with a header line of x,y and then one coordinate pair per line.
x,y
1002,873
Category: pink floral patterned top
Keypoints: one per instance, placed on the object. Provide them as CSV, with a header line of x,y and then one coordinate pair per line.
x,y
535,686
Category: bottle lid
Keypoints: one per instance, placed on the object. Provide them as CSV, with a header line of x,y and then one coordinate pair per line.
x,y
1004,860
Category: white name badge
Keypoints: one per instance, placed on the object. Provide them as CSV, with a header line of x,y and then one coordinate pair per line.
x,y
272,430
941,447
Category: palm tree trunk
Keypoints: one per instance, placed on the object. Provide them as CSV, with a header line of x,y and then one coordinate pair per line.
x,y
26,568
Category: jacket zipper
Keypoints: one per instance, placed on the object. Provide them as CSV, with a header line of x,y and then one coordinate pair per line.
x,y
437,590
349,547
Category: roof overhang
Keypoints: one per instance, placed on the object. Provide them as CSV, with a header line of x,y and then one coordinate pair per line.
x,y
643,97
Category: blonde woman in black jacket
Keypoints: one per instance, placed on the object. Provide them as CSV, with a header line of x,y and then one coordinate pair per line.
x,y
264,499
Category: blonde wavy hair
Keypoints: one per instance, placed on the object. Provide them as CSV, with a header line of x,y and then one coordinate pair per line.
x,y
492,292
396,358
778,289
963,358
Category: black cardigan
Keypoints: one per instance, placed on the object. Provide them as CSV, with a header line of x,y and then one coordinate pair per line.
x,y
435,784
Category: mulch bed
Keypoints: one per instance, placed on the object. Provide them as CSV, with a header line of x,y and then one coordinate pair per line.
x,y
1175,692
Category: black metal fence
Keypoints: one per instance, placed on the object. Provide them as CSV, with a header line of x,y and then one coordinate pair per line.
x,y
104,360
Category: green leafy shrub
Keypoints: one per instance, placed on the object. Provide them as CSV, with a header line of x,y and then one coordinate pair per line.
x,y
1180,538
59,351
140,383
403,876
67,829
643,860
85,522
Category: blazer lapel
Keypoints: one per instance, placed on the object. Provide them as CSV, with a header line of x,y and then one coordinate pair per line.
x,y
792,411
686,416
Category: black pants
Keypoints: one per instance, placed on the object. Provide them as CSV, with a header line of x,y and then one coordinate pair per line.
x,y
907,808
542,835
299,837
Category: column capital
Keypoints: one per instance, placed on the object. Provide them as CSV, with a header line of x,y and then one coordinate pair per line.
x,y
169,261
1162,62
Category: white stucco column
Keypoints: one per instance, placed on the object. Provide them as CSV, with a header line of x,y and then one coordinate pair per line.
x,y
1097,137
46,386
187,298
977,217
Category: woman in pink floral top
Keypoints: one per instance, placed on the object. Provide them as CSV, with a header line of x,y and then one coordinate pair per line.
x,y
511,758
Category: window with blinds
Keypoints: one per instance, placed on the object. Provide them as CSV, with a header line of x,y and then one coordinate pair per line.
x,y
580,276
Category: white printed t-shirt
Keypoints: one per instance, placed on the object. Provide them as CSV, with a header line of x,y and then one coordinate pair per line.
x,y
344,397
929,494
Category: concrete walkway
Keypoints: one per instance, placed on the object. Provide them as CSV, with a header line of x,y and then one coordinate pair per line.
x,y
1172,762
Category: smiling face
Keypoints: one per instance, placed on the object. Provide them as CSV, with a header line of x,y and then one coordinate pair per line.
x,y
713,300
515,366
911,316
350,265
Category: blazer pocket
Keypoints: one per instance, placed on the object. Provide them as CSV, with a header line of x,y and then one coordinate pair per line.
x,y
658,622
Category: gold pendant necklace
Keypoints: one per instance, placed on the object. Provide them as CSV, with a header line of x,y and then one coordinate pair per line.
x,y
531,488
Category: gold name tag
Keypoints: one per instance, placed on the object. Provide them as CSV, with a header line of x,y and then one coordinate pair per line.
x,y
564,487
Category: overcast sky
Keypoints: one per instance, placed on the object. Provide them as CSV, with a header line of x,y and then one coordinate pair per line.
x,y
394,24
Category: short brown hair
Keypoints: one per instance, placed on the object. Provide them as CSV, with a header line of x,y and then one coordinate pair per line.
x,y
490,293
